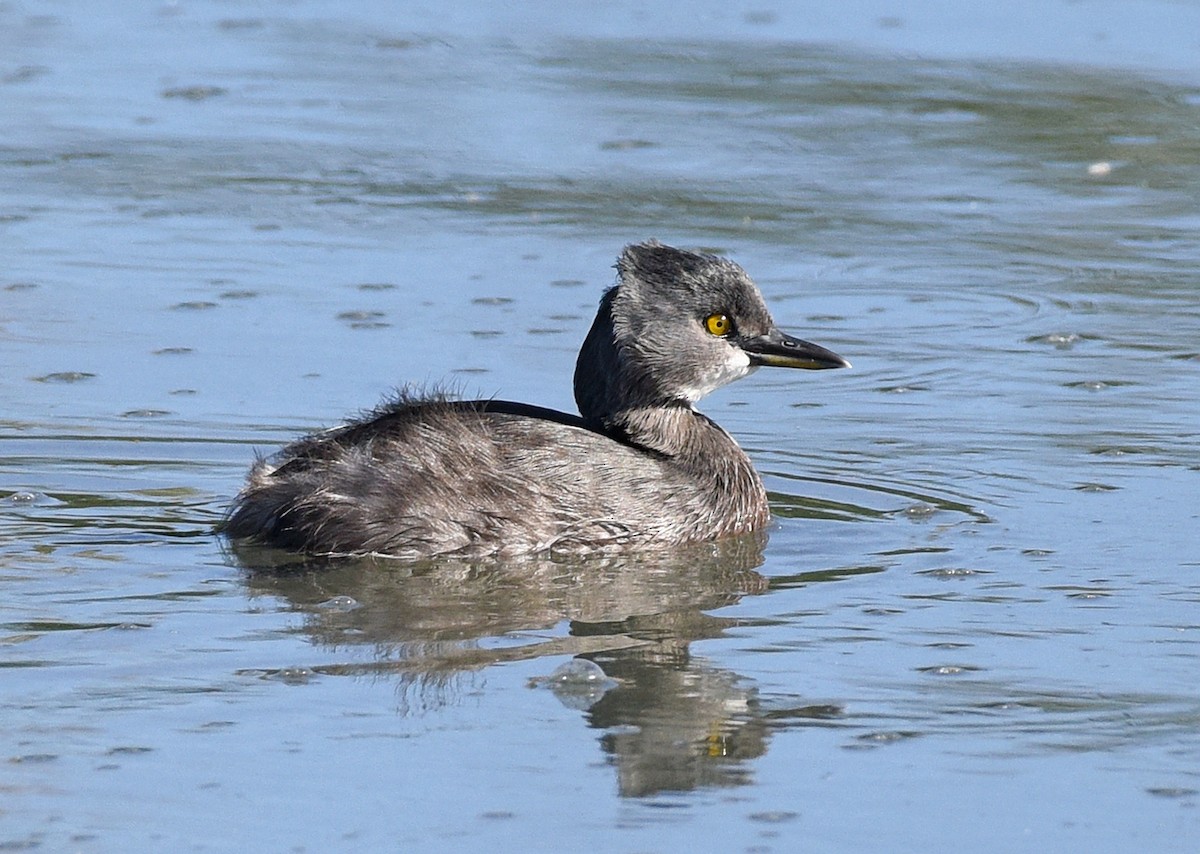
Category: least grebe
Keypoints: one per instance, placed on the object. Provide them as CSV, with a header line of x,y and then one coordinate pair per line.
x,y
425,476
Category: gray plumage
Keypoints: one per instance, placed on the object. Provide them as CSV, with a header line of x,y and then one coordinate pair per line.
x,y
641,467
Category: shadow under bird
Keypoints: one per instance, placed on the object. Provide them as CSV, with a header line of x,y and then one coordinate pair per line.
x,y
640,467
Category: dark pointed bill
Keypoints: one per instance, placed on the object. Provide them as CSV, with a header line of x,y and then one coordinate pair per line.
x,y
780,350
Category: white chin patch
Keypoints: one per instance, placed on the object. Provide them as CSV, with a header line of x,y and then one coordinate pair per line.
x,y
736,365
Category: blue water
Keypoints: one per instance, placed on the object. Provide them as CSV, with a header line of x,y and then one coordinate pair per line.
x,y
974,626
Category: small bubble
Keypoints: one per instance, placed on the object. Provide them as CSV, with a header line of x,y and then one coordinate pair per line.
x,y
1113,451
951,572
578,684
146,413
1100,169
947,669
29,498
291,675
1061,340
888,736
920,511
1094,385
577,671
1094,487
340,603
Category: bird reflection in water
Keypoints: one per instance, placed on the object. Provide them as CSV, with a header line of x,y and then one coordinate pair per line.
x,y
672,722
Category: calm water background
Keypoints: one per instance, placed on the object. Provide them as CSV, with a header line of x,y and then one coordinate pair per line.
x,y
976,624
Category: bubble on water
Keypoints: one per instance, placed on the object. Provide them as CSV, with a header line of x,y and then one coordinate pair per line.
x,y
578,683
887,736
577,671
952,572
920,511
948,669
1094,487
291,675
1100,169
146,413
1061,340
340,603
1089,593
1095,385
29,498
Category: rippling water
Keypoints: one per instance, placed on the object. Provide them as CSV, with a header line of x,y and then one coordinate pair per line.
x,y
974,624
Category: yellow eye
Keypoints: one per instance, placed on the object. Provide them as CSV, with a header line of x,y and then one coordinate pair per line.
x,y
718,324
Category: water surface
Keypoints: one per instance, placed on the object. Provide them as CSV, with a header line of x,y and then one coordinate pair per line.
x,y
974,624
